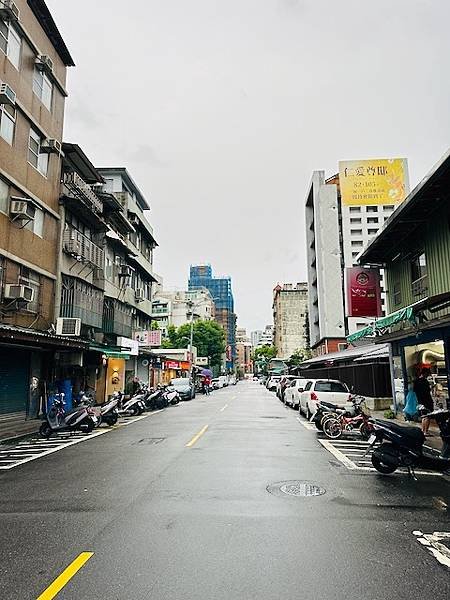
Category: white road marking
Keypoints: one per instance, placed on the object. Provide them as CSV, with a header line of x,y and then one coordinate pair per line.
x,y
307,425
338,454
223,408
434,543
36,448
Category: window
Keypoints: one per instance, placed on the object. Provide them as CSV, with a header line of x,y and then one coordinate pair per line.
x,y
330,386
32,279
419,275
4,196
388,207
357,243
10,43
372,219
43,88
35,157
355,209
37,225
308,386
372,231
372,209
397,293
7,122
355,220
356,231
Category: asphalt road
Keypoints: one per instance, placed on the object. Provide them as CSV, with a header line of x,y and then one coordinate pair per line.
x,y
168,520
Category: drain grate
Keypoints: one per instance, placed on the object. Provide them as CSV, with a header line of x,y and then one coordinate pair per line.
x,y
299,489
149,441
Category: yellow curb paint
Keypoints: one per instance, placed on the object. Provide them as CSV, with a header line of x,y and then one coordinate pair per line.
x,y
197,437
65,576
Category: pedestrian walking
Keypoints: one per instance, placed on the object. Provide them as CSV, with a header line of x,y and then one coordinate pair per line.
x,y
422,389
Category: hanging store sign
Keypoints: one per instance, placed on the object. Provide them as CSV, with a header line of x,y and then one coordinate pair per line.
x,y
129,346
363,292
172,364
149,339
378,181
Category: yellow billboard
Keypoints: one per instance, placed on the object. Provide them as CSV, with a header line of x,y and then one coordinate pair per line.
x,y
377,181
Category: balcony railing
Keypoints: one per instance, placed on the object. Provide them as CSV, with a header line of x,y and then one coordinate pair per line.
x,y
80,246
80,189
420,286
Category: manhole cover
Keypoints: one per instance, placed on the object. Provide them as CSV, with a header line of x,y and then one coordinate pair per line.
x,y
150,441
302,489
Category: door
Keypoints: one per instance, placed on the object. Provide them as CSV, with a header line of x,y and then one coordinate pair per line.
x,y
14,381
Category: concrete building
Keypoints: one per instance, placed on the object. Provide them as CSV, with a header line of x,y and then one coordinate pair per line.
x,y
290,315
243,352
179,307
255,337
335,236
262,338
33,68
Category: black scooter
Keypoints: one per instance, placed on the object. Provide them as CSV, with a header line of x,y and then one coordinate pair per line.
x,y
404,446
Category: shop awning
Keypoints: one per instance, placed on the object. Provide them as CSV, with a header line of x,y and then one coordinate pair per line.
x,y
15,335
399,316
109,351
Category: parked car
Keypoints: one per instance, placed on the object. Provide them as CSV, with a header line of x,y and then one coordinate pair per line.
x,y
215,384
271,383
284,383
293,391
184,386
327,390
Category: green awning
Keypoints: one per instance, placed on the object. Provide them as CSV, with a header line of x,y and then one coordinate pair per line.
x,y
404,314
109,351
366,332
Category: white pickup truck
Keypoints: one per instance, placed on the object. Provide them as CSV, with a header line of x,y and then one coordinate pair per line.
x,y
327,390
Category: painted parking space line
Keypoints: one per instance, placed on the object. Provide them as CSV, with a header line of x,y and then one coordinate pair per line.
x,y
35,448
62,580
338,454
307,425
197,436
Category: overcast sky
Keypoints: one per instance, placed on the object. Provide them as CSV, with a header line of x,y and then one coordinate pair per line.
x,y
221,110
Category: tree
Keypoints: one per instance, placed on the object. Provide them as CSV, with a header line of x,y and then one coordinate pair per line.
x,y
261,356
299,356
209,339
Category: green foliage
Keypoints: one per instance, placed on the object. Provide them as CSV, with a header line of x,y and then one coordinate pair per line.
x,y
299,356
388,414
154,325
261,357
209,339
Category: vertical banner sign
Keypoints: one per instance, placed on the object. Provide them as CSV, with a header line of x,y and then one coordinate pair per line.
x,y
148,338
378,181
363,292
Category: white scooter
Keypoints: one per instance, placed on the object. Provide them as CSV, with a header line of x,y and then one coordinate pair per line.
x,y
57,419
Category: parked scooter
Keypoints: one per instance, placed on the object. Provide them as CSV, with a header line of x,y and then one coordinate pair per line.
x,y
133,406
161,398
327,410
404,446
109,412
57,419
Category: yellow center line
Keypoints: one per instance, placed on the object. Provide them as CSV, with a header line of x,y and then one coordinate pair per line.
x,y
223,408
197,437
65,576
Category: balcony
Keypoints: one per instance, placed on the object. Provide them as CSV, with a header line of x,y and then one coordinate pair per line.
x,y
82,248
79,189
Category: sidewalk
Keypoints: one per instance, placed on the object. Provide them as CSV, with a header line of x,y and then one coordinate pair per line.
x,y
434,441
15,429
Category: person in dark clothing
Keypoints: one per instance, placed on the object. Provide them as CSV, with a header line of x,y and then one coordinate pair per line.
x,y
422,390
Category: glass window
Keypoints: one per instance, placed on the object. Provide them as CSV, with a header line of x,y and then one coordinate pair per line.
x,y
388,207
7,122
4,196
330,386
10,43
308,386
372,219
372,231
355,220
356,231
372,209
418,267
357,243
355,209
397,293
37,225
32,279
35,157
43,88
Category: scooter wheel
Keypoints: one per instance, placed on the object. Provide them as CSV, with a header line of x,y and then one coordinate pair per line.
x,y
134,410
332,429
87,426
45,430
381,467
113,420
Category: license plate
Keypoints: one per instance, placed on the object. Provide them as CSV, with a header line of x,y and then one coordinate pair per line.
x,y
372,439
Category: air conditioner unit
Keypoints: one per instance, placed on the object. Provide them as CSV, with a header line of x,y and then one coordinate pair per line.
x,y
125,271
140,294
7,95
51,146
44,63
22,208
68,326
16,291
9,11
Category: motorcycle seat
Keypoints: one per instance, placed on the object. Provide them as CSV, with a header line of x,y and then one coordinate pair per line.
x,y
413,436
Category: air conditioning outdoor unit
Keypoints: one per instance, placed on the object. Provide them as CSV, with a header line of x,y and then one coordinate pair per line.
x,y
7,95
125,271
51,146
22,208
140,294
17,291
68,326
9,11
44,63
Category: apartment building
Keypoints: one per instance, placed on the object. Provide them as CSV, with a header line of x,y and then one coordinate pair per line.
x,y
33,68
290,316
179,307
243,352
